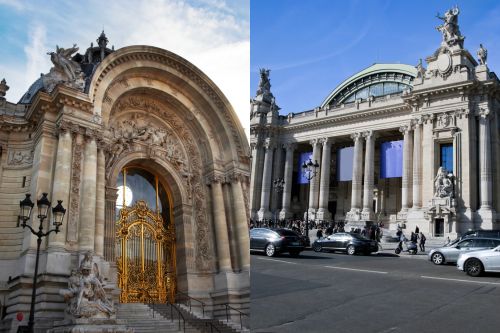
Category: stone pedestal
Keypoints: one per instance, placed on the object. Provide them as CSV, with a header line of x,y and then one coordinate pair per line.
x,y
96,325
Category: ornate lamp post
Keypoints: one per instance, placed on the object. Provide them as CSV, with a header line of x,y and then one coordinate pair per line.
x,y
310,170
278,184
43,205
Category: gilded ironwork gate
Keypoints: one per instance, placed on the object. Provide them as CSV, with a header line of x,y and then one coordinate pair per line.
x,y
146,256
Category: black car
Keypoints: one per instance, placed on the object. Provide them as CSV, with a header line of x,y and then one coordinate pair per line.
x,y
348,242
274,241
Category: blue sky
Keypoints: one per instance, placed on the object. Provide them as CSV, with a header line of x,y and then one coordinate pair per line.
x,y
312,46
212,34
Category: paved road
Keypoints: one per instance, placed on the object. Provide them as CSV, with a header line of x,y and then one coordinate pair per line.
x,y
333,292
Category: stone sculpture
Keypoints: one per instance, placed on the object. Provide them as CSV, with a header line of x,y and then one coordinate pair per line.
x,y
85,295
450,29
264,84
482,53
443,184
65,70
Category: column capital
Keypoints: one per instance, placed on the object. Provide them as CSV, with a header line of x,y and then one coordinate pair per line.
x,y
405,129
417,121
326,141
314,142
356,136
369,134
483,112
289,146
269,144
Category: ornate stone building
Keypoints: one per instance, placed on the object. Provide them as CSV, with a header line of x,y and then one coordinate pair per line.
x,y
152,165
397,144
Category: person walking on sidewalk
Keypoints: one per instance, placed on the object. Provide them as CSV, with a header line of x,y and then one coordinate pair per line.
x,y
422,242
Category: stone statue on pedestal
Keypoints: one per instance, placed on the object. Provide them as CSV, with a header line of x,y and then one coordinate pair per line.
x,y
85,295
65,70
443,184
450,29
482,54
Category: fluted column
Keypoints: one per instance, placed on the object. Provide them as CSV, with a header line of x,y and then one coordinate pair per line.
x,y
88,200
417,166
367,213
255,178
288,178
485,161
221,232
407,167
314,185
100,203
264,212
324,187
357,167
109,224
241,228
62,184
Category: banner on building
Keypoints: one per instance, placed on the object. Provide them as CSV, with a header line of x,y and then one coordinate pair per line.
x,y
391,159
304,157
344,163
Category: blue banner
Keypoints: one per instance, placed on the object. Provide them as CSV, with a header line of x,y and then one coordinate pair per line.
x,y
304,157
447,157
344,163
391,159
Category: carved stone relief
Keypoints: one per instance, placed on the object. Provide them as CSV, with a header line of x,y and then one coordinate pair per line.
x,y
20,158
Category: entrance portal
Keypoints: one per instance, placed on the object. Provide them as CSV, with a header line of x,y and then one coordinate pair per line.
x,y
145,239
438,227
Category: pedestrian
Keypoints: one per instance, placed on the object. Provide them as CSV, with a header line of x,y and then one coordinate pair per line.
x,y
422,242
417,230
447,240
319,233
329,230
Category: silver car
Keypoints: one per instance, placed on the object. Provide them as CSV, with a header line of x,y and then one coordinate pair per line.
x,y
447,254
475,263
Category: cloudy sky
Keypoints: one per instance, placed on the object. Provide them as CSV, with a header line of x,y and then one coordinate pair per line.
x,y
312,46
214,35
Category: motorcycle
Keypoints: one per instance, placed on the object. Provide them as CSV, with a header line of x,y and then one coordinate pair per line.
x,y
411,247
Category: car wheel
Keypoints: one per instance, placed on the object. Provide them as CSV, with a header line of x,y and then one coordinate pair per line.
x,y
294,253
397,250
317,248
437,258
270,250
473,267
351,250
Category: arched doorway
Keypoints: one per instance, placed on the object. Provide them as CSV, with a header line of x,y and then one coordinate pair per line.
x,y
145,237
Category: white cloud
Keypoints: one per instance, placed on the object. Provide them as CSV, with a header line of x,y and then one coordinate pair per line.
x,y
208,33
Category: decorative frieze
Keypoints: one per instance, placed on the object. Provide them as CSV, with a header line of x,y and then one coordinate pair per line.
x,y
20,158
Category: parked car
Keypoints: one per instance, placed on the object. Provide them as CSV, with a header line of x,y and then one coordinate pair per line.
x,y
477,262
448,254
351,243
477,233
274,241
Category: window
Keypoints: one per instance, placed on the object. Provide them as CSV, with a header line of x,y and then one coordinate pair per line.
x,y
466,243
446,156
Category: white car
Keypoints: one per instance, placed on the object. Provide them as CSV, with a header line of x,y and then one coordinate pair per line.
x,y
477,262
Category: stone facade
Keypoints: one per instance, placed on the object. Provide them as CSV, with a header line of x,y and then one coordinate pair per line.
x,y
70,136
454,101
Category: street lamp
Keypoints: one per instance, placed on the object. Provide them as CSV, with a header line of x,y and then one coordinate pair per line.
x,y
278,184
310,170
43,205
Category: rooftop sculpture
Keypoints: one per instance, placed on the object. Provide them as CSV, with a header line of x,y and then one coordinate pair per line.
x,y
450,29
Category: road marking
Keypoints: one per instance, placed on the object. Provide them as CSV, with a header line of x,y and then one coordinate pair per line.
x,y
356,269
458,280
286,262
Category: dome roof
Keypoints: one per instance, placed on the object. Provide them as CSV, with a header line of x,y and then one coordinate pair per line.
x,y
376,80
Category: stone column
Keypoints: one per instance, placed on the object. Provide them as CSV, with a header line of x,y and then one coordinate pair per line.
x,y
367,214
62,185
324,187
264,212
241,228
109,224
357,174
407,169
314,185
417,166
100,203
255,178
88,200
288,178
221,232
485,175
